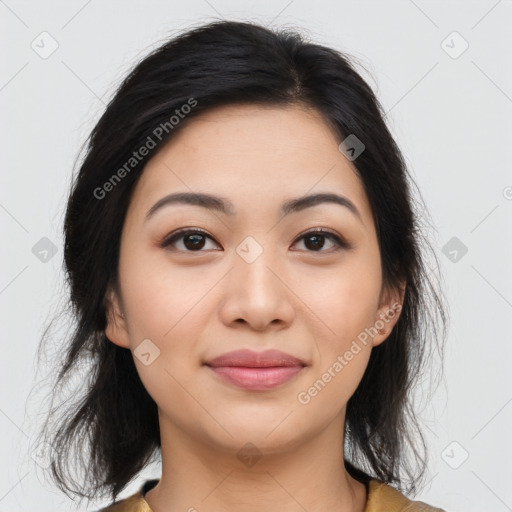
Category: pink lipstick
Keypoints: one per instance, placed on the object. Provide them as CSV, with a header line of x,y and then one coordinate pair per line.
x,y
256,371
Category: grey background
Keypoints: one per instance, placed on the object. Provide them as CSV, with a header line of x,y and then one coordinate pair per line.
x,y
449,110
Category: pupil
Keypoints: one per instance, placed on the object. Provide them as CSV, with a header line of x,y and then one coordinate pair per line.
x,y
318,238
196,241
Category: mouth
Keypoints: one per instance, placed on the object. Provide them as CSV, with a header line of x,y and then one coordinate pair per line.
x,y
255,371
256,379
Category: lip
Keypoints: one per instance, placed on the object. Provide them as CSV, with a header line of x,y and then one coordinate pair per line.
x,y
251,359
256,371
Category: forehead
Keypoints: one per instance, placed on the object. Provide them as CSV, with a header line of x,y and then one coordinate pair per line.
x,y
253,155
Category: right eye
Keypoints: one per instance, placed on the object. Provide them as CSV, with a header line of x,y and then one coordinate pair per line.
x,y
193,240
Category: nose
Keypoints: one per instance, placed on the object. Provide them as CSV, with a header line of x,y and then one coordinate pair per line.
x,y
256,295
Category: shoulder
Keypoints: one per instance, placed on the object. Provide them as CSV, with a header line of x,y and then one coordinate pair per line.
x,y
381,498
133,503
384,498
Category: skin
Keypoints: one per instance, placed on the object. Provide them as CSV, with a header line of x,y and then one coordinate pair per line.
x,y
197,304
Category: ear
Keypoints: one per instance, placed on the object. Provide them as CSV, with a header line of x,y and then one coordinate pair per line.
x,y
390,308
116,330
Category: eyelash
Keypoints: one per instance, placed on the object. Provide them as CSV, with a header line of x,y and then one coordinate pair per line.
x,y
340,243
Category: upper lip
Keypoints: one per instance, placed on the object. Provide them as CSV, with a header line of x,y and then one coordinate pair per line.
x,y
251,359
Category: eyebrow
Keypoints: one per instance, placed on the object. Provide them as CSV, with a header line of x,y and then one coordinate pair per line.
x,y
225,206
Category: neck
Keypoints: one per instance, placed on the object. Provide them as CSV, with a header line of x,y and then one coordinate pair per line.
x,y
309,476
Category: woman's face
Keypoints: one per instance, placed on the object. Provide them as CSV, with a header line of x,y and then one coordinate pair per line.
x,y
257,277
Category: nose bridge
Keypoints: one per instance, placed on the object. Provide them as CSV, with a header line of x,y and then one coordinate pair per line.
x,y
256,292
253,263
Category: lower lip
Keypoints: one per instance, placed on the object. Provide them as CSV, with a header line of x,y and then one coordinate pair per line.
x,y
256,379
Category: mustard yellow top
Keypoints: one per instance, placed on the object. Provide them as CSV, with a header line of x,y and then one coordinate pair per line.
x,y
381,498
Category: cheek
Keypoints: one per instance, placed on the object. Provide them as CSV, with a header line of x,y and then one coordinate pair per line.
x,y
343,300
167,311
164,301
329,390
343,305
346,308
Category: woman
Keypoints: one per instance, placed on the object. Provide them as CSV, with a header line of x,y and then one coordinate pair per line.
x,y
249,285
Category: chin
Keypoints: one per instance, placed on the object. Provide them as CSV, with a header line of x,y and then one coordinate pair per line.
x,y
266,436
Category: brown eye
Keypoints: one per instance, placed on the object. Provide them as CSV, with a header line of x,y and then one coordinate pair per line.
x,y
193,240
315,241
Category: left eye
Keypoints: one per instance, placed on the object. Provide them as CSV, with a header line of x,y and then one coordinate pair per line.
x,y
194,240
317,238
